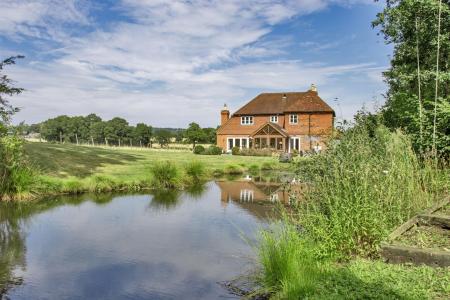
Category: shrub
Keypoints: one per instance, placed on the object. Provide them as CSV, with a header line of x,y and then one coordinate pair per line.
x,y
15,175
213,150
254,169
165,175
255,152
196,171
266,166
233,170
199,149
235,150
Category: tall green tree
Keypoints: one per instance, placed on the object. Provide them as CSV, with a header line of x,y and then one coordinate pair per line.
x,y
418,99
194,134
7,89
142,134
163,137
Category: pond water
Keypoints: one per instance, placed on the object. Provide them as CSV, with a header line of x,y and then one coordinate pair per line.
x,y
166,245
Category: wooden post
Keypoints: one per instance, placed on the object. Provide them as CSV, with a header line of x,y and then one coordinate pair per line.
x,y
76,138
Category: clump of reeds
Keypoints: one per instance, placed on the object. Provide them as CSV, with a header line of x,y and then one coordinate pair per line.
x,y
289,266
363,187
165,175
196,172
233,170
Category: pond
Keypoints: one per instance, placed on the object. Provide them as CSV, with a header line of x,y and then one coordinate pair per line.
x,y
164,245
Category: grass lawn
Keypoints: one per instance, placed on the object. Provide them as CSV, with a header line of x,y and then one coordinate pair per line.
x,y
66,160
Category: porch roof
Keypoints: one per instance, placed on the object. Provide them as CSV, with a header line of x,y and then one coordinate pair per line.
x,y
269,125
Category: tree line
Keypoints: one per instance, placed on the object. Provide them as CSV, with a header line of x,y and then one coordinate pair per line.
x,y
91,129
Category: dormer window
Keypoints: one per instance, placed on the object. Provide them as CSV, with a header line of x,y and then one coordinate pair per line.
x,y
274,119
247,120
293,119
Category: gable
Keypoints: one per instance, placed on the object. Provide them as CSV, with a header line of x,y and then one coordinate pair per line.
x,y
270,129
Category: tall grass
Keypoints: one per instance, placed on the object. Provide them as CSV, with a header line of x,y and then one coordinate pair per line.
x,y
196,172
366,184
363,187
15,174
289,268
165,175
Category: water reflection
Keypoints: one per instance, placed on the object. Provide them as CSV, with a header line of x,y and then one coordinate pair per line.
x,y
162,245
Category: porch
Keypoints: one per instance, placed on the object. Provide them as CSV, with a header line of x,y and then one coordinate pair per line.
x,y
269,136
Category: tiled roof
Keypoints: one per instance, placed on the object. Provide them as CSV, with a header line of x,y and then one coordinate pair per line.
x,y
279,103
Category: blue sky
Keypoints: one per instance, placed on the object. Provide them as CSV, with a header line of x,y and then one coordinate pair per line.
x,y
167,63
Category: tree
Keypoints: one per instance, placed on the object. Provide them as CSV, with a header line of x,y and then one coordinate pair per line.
x,y
163,137
419,78
142,134
7,89
194,134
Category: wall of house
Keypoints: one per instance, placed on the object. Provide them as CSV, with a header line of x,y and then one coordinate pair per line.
x,y
321,127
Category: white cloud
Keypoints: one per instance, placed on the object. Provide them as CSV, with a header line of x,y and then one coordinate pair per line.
x,y
171,63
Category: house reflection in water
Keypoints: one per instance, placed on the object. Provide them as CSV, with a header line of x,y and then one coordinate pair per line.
x,y
256,195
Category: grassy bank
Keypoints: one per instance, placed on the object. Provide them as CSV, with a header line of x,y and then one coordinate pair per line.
x,y
360,190
65,168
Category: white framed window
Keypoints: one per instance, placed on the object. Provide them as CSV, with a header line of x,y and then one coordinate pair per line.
x,y
293,119
274,119
241,142
247,120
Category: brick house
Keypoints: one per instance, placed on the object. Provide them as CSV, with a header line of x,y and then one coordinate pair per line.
x,y
284,122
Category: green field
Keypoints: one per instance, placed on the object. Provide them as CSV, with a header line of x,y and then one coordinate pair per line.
x,y
66,160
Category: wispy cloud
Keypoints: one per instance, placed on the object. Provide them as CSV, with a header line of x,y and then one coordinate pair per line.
x,y
164,62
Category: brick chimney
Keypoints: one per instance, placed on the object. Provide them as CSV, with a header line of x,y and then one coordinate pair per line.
x,y
224,115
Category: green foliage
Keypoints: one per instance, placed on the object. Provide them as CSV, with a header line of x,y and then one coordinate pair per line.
x,y
213,150
254,169
194,133
235,150
412,27
255,152
15,175
199,149
7,89
267,166
163,137
289,267
165,175
196,171
233,170
364,186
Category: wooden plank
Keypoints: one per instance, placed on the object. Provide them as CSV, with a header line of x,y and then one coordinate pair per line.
x,y
437,206
436,220
403,228
404,254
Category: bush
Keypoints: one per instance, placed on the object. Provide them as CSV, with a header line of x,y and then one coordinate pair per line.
x,y
213,150
233,170
15,175
235,150
254,169
255,152
196,171
266,166
165,175
199,149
